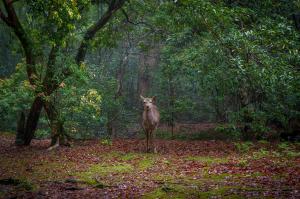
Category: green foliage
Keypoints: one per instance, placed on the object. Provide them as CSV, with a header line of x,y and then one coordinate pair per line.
x,y
16,94
243,147
53,20
222,61
146,163
80,108
42,133
254,124
207,160
106,142
261,153
288,150
230,51
95,171
230,129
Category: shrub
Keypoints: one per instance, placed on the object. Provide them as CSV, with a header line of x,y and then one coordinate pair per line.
x,y
229,129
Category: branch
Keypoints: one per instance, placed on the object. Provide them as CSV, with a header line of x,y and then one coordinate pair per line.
x,y
135,23
48,81
11,1
10,12
127,17
5,18
26,43
92,30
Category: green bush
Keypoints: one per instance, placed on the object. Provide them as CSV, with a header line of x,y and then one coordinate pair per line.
x,y
230,130
42,133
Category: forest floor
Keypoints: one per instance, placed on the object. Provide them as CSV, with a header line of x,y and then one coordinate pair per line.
x,y
180,169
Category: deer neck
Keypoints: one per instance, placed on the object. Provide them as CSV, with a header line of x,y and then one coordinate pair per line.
x,y
150,114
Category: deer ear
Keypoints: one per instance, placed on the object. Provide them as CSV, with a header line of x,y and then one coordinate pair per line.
x,y
142,98
154,99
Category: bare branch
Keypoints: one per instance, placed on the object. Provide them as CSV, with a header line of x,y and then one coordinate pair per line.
x,y
127,17
136,23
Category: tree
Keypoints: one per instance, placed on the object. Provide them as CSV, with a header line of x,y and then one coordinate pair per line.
x,y
61,25
245,55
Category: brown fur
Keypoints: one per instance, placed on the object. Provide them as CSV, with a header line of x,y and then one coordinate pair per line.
x,y
150,120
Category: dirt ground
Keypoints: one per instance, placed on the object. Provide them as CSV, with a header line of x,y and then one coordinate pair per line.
x,y
122,169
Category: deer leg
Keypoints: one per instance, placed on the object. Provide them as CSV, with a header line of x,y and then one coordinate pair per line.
x,y
153,141
153,137
150,140
147,140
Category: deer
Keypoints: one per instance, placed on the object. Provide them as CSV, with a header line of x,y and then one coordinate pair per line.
x,y
150,120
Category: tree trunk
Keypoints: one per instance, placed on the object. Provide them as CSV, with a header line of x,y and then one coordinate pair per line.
x,y
32,120
143,76
172,104
58,135
20,130
12,21
110,129
148,61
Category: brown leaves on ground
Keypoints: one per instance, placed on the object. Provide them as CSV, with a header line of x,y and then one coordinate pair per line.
x,y
181,169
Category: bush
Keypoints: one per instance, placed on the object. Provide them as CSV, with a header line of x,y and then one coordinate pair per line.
x,y
230,130
42,134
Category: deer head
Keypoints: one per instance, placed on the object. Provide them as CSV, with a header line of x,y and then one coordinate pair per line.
x,y
148,102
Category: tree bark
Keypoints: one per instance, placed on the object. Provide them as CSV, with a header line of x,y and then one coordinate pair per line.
x,y
172,104
147,62
32,120
20,130
143,83
58,135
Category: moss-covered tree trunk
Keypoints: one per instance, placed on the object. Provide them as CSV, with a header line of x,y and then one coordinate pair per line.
x,y
58,134
26,126
32,120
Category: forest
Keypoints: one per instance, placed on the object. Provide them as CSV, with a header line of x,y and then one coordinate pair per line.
x,y
150,99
